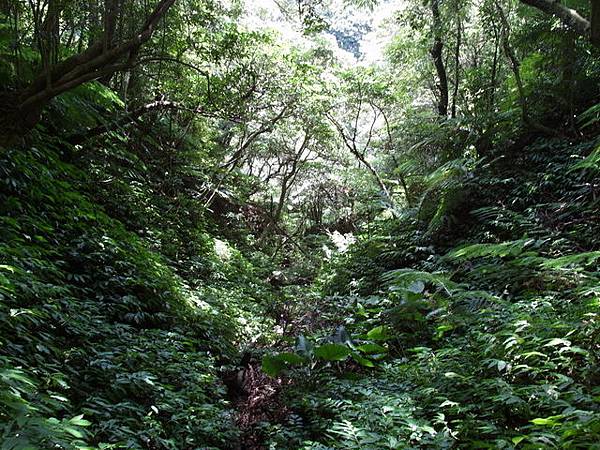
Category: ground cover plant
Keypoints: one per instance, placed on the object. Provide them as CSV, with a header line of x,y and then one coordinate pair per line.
x,y
302,224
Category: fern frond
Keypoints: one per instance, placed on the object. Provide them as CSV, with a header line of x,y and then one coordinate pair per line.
x,y
473,301
404,278
501,250
579,259
592,162
590,116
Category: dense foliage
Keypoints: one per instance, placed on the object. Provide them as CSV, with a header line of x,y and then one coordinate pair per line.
x,y
239,225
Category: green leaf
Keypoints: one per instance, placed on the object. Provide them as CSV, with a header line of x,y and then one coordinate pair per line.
x,y
378,334
577,350
332,352
419,350
592,162
75,432
570,260
80,421
272,366
501,250
362,361
548,421
428,429
289,358
441,329
405,279
530,354
518,439
453,375
370,349
557,341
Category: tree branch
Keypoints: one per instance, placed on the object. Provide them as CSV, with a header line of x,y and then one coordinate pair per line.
x,y
83,136
96,62
568,16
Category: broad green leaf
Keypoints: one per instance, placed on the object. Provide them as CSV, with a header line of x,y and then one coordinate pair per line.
x,y
362,361
76,432
378,334
518,439
549,421
271,366
80,421
370,349
332,352
289,358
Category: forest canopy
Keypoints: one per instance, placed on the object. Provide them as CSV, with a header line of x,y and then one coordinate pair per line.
x,y
299,224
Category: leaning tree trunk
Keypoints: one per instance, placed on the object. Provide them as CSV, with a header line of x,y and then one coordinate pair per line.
x,y
20,111
515,66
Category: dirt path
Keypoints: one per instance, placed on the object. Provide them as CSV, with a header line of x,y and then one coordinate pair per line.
x,y
256,398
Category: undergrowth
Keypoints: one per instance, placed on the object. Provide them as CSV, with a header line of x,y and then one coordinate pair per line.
x,y
114,335
490,318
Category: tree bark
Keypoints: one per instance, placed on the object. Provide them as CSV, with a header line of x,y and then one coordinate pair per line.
x,y
515,66
572,18
25,106
456,67
438,59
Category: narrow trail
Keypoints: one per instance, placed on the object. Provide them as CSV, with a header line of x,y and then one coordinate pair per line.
x,y
256,399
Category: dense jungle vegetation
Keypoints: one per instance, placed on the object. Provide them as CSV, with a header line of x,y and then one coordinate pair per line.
x,y
299,224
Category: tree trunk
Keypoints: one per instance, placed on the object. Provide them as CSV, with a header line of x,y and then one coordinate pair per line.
x,y
378,178
493,82
438,59
515,66
21,111
572,18
456,67
289,177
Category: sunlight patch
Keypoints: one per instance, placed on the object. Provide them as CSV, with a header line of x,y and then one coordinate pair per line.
x,y
341,242
222,250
